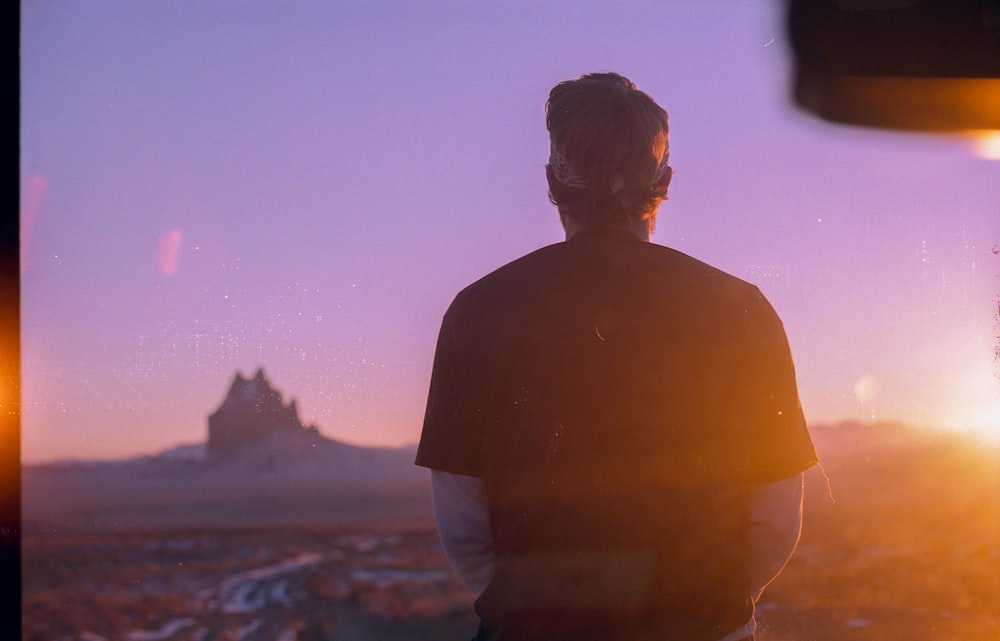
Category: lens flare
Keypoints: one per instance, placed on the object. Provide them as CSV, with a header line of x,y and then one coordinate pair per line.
x,y
865,389
976,408
168,252
986,144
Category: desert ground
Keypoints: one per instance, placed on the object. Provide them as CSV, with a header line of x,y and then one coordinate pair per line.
x,y
901,541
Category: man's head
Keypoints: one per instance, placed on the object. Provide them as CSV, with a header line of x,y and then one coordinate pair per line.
x,y
609,152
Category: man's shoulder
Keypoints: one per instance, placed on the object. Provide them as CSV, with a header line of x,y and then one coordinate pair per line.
x,y
660,268
516,275
695,266
677,269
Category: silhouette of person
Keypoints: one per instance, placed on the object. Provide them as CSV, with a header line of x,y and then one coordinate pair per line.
x,y
613,428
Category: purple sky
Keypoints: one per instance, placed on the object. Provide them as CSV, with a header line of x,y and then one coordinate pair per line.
x,y
210,187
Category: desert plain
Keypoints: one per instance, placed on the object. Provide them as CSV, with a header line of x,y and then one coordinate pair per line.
x,y
901,540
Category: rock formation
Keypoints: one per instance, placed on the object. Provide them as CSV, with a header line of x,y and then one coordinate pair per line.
x,y
251,414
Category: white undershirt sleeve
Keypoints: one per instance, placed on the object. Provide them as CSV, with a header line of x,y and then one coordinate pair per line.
x,y
775,524
461,510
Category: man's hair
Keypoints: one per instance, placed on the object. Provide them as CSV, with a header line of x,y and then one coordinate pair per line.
x,y
609,150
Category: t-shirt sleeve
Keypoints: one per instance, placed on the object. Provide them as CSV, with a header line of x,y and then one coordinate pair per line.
x,y
451,440
779,441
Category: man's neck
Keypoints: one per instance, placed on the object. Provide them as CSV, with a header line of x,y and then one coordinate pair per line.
x,y
639,228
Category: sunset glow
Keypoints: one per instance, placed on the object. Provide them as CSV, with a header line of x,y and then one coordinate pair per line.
x,y
983,421
986,144
975,407
315,213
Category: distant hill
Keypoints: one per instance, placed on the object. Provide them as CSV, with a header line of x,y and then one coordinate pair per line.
x,y
252,417
284,481
261,466
258,462
848,438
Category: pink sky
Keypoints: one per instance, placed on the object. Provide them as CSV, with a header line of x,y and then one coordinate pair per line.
x,y
304,186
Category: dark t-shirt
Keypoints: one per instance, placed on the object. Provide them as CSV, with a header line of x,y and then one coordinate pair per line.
x,y
619,399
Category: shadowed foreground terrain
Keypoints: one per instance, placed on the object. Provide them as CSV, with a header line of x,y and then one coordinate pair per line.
x,y
903,542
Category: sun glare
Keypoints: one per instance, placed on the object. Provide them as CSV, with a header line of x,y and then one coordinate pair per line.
x,y
977,408
984,421
986,144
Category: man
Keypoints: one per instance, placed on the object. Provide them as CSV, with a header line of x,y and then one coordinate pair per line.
x,y
613,427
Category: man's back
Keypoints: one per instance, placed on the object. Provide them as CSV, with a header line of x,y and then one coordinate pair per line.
x,y
610,421
619,399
